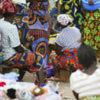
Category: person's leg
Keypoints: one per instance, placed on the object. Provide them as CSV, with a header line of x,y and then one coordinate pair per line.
x,y
22,72
41,77
6,67
6,70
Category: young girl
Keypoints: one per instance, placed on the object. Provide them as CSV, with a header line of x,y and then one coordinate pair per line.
x,y
86,83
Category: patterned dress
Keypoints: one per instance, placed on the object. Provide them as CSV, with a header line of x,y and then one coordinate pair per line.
x,y
91,28
72,8
34,27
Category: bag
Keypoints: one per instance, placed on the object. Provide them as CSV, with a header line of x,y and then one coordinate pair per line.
x,y
91,5
6,6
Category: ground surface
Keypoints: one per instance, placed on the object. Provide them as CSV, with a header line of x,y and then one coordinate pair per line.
x,y
64,87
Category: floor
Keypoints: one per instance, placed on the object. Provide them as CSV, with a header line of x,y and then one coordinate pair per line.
x,y
63,87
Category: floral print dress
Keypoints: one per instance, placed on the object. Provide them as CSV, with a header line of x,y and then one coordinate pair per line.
x,y
91,28
72,8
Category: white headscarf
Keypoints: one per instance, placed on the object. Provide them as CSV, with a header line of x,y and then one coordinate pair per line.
x,y
19,1
64,19
69,37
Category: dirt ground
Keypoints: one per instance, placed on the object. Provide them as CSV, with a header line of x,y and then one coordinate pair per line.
x,y
63,87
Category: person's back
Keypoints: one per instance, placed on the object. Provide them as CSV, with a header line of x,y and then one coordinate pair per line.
x,y
69,37
86,83
9,38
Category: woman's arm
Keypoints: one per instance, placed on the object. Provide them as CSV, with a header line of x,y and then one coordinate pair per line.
x,y
19,49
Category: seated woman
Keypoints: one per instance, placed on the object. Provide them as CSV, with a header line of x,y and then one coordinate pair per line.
x,y
14,54
86,83
67,43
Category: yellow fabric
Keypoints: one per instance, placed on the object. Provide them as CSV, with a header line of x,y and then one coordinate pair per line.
x,y
91,98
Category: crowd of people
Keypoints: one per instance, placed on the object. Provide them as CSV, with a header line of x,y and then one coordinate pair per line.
x,y
25,31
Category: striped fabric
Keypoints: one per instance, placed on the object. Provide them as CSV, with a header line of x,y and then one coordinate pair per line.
x,y
85,85
69,37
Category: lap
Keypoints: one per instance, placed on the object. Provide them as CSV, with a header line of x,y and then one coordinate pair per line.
x,y
26,59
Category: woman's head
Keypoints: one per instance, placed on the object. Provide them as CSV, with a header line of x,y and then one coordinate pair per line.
x,y
64,19
8,9
86,56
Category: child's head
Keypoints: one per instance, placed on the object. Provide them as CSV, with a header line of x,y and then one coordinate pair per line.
x,y
87,56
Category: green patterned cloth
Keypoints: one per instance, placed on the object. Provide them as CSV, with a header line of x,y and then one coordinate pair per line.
x,y
87,21
73,9
91,98
91,28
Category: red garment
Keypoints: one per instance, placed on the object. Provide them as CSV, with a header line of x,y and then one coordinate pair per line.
x,y
6,6
2,84
68,59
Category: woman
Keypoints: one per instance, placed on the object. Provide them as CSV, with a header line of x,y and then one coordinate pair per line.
x,y
67,43
14,54
73,8
86,83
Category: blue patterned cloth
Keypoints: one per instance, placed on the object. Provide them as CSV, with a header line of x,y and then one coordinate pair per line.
x,y
91,7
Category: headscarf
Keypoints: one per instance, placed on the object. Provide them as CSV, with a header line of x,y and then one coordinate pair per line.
x,y
64,19
19,1
6,6
69,37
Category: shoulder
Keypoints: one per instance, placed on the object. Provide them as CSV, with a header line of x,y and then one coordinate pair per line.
x,y
74,28
97,72
7,24
71,30
77,77
11,27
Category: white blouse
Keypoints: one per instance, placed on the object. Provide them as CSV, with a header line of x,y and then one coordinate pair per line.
x,y
85,85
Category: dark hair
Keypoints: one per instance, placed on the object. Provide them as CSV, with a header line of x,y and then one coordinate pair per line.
x,y
56,48
11,93
8,15
86,56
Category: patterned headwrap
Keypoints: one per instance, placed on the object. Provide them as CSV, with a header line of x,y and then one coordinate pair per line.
x,y
64,19
6,6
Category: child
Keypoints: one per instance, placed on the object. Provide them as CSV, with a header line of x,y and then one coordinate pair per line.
x,y
85,83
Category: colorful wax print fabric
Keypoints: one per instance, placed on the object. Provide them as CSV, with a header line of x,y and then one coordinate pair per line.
x,y
30,60
91,28
39,15
40,46
33,26
91,5
73,9
68,60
